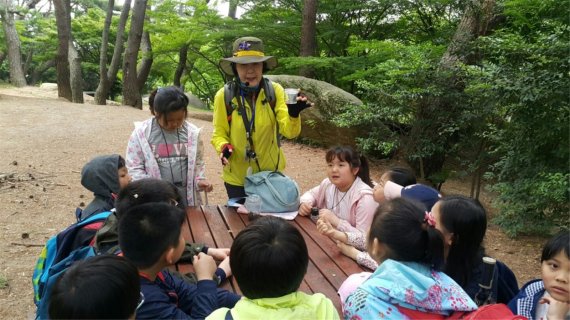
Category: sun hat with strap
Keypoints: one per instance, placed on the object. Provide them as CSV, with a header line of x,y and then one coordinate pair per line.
x,y
247,50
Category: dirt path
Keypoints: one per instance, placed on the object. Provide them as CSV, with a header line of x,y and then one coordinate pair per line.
x,y
44,144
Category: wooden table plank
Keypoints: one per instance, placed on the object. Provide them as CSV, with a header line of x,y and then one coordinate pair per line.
x,y
346,264
221,235
325,265
199,227
232,219
217,226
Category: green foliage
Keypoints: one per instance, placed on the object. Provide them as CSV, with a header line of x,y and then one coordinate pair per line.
x,y
536,205
3,281
528,70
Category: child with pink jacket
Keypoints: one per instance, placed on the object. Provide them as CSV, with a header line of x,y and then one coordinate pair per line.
x,y
344,199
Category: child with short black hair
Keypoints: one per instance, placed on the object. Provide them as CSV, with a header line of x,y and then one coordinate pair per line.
x,y
269,258
150,236
146,191
549,297
101,287
408,282
105,176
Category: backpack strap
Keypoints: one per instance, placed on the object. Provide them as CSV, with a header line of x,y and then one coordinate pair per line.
x,y
270,97
230,91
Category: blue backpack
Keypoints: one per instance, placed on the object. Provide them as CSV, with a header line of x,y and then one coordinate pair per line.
x,y
60,252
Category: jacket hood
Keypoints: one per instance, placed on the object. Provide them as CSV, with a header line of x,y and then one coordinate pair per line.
x,y
101,175
296,305
416,286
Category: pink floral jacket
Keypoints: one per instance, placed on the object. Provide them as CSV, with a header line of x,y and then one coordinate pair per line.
x,y
141,162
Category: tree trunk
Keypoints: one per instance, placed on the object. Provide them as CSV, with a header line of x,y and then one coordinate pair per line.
x,y
61,61
232,11
103,86
131,93
40,70
75,74
146,62
103,92
182,57
17,77
308,35
475,21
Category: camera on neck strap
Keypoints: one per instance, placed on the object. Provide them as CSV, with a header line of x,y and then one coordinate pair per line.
x,y
250,154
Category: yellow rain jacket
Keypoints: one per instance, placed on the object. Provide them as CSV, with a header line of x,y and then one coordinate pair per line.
x,y
264,135
294,306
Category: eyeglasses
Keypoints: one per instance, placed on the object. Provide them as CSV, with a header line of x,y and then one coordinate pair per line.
x,y
141,301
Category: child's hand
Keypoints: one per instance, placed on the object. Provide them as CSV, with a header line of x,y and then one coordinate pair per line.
x,y
205,185
324,227
347,250
556,310
305,209
219,253
204,266
328,230
329,216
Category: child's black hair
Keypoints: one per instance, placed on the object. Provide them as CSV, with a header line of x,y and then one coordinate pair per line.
x,y
163,101
400,224
102,287
146,231
269,258
466,218
144,191
348,154
558,243
121,162
401,176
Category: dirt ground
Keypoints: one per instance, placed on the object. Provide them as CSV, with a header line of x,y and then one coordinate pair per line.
x,y
44,142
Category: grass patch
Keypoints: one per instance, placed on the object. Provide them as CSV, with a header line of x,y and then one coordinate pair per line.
x,y
3,281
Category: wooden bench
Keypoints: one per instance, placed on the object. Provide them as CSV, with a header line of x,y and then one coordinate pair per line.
x,y
217,226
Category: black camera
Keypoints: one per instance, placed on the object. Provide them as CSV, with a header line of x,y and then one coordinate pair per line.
x,y
250,154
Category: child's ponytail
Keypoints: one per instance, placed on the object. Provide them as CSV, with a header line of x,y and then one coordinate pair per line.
x,y
364,171
408,233
434,254
151,97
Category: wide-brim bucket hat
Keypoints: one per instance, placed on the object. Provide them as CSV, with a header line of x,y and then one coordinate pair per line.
x,y
247,50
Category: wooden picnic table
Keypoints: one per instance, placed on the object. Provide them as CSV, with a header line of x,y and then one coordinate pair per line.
x,y
217,226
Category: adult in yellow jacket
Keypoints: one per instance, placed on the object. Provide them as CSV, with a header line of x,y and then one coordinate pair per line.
x,y
237,152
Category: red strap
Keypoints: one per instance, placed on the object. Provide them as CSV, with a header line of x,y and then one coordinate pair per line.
x,y
416,314
146,276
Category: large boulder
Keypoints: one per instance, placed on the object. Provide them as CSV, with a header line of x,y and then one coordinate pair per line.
x,y
328,100
196,102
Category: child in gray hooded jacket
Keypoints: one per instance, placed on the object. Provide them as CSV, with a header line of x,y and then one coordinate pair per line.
x,y
105,176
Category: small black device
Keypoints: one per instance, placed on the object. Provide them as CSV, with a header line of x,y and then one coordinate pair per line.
x,y
314,213
250,154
